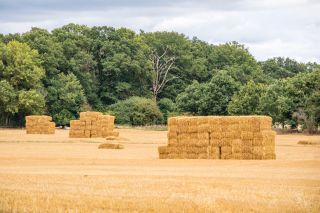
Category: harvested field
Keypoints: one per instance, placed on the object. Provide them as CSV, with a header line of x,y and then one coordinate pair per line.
x,y
55,173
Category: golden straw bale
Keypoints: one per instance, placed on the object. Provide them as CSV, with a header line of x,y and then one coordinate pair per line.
x,y
257,150
110,146
247,156
87,133
257,142
216,142
213,152
172,141
172,121
237,156
226,156
247,142
216,135
236,142
226,142
269,156
226,149
265,123
246,135
269,149
163,150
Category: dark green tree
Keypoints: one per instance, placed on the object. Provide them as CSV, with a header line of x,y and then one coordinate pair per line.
x,y
65,98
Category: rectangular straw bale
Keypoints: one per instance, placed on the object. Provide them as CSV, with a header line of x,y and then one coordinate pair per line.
x,y
270,156
172,121
216,142
247,142
246,135
265,123
257,150
269,149
237,156
226,149
255,124
247,156
216,135
87,133
213,152
226,142
236,142
226,156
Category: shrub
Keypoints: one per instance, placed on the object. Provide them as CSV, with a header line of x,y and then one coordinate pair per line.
x,y
137,111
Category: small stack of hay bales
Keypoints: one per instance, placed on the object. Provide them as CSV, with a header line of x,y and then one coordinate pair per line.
x,y
220,137
92,125
40,124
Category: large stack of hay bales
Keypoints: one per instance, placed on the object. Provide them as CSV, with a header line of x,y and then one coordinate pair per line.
x,y
40,124
92,125
220,137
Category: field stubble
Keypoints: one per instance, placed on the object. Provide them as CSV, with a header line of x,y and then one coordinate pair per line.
x,y
52,173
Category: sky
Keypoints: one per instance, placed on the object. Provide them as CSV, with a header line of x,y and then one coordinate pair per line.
x,y
268,28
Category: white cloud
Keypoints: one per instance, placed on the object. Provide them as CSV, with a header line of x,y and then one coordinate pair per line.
x,y
270,28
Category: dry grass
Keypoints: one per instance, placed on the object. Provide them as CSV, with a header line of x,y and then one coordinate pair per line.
x,y
49,176
110,146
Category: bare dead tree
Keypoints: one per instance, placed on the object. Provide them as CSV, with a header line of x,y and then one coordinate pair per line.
x,y
162,64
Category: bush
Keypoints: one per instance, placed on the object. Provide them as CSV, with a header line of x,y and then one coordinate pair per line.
x,y
137,111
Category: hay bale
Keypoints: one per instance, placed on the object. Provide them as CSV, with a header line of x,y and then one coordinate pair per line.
x,y
219,137
110,146
39,124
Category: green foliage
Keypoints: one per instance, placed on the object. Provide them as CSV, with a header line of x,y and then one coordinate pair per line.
x,y
137,111
167,107
208,98
247,100
65,98
277,68
20,85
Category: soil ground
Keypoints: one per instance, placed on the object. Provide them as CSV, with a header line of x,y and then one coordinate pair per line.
x,y
53,173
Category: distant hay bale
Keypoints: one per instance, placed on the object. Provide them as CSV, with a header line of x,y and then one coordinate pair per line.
x,y
305,142
111,146
40,124
93,125
219,137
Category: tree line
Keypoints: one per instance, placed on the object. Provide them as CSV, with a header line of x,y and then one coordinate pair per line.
x,y
143,78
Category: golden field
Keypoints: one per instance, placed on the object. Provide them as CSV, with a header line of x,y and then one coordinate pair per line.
x,y
55,173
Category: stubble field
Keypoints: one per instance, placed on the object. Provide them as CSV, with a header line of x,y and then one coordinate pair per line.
x,y
52,173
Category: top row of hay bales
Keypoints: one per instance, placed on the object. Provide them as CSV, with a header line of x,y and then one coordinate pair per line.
x,y
40,124
92,125
220,137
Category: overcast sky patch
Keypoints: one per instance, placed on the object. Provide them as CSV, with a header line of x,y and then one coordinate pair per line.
x,y
270,28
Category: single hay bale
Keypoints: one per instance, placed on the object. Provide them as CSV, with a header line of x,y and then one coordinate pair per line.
x,y
306,142
111,138
110,146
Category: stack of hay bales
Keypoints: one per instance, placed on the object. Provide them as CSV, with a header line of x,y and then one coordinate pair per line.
x,y
40,124
220,137
92,125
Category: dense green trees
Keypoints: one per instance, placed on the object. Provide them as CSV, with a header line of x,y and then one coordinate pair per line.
x,y
77,67
65,98
20,85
